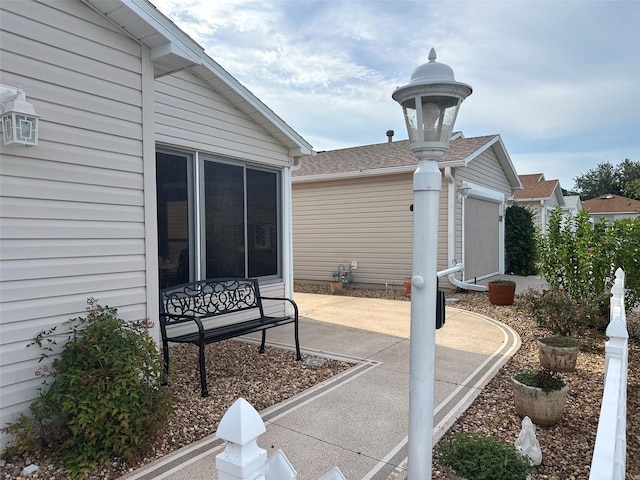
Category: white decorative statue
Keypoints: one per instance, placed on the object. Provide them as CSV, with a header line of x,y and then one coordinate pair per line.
x,y
527,443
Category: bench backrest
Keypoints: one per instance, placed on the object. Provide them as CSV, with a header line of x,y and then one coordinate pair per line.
x,y
209,298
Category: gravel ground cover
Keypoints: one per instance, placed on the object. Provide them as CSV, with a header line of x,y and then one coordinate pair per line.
x,y
235,369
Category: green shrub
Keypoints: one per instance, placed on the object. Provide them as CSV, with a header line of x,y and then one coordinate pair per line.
x,y
483,458
562,314
520,241
106,397
582,258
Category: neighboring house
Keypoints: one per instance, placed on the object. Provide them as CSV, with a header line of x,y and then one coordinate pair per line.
x,y
107,205
353,205
572,205
612,207
540,196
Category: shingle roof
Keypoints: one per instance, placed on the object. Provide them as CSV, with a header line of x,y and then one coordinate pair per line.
x,y
535,187
611,204
382,156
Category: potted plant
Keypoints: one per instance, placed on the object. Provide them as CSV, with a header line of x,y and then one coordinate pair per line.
x,y
566,318
540,395
502,292
474,457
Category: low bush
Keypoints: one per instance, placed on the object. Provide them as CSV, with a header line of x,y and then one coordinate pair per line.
x,y
475,457
105,397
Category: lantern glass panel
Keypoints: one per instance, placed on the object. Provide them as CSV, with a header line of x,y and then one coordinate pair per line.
x,y
439,116
411,118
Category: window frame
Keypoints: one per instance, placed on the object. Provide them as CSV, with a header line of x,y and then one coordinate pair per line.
x,y
197,215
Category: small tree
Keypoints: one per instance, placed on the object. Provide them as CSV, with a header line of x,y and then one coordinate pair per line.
x,y
520,241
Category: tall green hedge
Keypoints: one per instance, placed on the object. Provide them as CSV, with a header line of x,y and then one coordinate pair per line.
x,y
520,241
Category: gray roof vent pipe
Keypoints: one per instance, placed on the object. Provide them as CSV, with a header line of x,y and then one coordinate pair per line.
x,y
390,136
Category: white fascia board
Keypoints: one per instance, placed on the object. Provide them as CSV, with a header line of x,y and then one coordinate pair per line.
x,y
323,177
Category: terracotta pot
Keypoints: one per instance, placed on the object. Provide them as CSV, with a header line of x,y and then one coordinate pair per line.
x,y
557,359
502,293
407,287
336,288
544,409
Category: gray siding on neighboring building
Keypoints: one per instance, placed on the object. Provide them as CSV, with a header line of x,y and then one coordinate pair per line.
x,y
72,207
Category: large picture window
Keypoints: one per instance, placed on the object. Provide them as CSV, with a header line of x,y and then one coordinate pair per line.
x,y
238,225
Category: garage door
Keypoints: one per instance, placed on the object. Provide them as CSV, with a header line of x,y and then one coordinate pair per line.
x,y
481,238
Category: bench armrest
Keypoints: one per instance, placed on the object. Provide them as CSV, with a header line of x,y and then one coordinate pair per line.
x,y
183,319
295,306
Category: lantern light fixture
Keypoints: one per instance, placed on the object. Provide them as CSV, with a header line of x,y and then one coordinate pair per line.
x,y
463,192
19,117
430,102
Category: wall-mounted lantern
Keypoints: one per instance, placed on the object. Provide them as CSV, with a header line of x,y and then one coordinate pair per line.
x,y
19,118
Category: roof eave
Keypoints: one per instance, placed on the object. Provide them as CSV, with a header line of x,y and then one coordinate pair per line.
x,y
503,158
374,172
173,50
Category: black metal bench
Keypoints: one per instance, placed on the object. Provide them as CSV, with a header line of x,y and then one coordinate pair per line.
x,y
210,311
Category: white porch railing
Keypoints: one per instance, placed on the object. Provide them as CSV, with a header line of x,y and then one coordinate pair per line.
x,y
609,455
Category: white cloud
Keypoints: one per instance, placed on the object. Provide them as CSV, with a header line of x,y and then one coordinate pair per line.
x,y
555,79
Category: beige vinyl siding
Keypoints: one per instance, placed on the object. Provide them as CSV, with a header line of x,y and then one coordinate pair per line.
x,y
365,220
72,207
190,115
535,208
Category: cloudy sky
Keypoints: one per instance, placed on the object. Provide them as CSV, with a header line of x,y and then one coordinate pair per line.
x,y
558,80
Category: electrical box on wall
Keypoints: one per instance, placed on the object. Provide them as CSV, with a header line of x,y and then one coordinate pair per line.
x,y
354,264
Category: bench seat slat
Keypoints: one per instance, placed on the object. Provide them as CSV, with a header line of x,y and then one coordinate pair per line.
x,y
226,332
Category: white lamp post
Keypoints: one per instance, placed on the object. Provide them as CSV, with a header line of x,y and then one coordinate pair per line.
x,y
430,103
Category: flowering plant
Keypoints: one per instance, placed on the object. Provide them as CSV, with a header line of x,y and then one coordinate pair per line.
x,y
563,314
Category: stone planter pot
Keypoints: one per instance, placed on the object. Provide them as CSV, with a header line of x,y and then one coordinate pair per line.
x,y
557,359
502,293
544,409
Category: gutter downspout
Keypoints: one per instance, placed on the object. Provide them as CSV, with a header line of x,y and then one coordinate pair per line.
x,y
451,236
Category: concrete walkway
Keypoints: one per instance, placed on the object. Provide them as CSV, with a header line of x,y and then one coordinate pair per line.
x,y
358,420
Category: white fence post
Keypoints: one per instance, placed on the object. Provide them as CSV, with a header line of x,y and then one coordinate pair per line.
x,y
242,459
609,455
